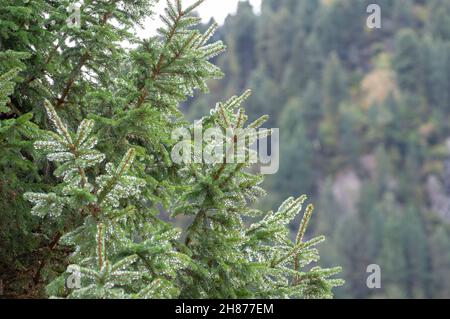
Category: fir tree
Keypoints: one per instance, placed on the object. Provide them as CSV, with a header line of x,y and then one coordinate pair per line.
x,y
101,171
407,60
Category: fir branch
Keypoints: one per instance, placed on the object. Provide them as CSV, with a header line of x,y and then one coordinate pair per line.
x,y
114,179
304,224
100,246
157,70
299,239
43,262
76,71
198,220
52,54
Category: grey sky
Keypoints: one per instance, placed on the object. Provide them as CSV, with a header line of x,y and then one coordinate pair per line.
x,y
217,9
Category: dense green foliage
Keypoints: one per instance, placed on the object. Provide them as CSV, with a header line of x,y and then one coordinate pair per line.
x,y
86,175
364,121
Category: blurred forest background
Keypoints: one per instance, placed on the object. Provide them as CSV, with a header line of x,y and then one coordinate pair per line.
x,y
364,118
